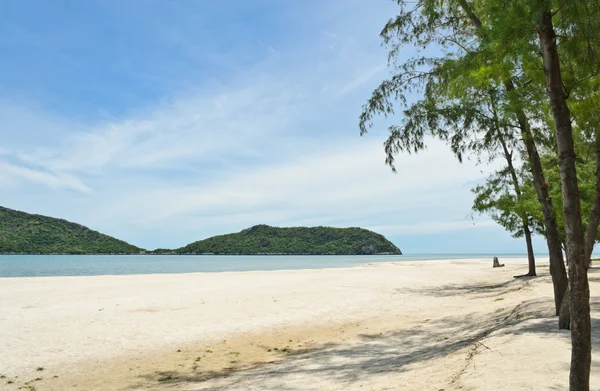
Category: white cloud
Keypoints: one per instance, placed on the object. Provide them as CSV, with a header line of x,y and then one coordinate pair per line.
x,y
295,181
345,186
16,174
429,227
200,127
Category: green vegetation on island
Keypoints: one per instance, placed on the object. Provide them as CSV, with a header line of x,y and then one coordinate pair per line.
x,y
264,239
24,233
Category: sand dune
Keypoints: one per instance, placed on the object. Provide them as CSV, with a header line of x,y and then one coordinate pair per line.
x,y
436,325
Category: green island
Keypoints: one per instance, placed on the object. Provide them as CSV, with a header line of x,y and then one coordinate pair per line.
x,y
264,239
24,233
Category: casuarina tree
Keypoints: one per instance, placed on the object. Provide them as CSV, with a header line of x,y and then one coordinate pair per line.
x,y
537,62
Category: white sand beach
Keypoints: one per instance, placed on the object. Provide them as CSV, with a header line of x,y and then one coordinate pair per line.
x,y
435,325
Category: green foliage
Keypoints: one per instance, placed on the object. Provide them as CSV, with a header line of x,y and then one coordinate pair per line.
x,y
264,239
462,101
24,233
586,169
478,84
497,197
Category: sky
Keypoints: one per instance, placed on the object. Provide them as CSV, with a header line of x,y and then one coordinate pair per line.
x,y
165,122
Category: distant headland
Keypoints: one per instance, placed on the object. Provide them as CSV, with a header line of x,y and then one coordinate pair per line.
x,y
24,233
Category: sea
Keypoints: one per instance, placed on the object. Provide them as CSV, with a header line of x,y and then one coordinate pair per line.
x,y
98,265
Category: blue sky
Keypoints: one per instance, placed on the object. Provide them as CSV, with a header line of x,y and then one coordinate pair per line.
x,y
163,122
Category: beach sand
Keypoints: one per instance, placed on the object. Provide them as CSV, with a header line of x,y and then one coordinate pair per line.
x,y
434,325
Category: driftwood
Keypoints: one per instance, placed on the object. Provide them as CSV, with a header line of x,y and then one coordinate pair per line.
x,y
497,263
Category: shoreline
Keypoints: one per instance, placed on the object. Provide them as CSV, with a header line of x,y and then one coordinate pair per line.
x,y
408,324
365,265
368,260
508,255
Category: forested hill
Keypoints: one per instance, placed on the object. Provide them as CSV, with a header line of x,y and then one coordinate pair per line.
x,y
264,239
24,233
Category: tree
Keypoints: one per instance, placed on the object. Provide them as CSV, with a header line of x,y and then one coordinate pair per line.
x,y
505,198
513,50
512,206
567,71
513,86
581,340
459,86
586,178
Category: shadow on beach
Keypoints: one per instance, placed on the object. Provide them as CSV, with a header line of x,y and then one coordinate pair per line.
x,y
374,355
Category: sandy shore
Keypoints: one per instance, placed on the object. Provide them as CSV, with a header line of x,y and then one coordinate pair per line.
x,y
435,325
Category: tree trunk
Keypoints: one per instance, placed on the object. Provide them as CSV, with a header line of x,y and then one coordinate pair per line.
x,y
564,318
517,187
530,255
594,220
557,265
581,341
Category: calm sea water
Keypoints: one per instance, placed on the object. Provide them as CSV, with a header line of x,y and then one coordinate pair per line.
x,y
95,265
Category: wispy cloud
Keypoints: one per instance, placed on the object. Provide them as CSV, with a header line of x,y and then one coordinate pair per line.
x,y
198,128
345,186
330,34
433,226
17,174
361,79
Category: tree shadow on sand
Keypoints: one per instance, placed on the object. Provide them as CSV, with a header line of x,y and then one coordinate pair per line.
x,y
476,290
376,354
